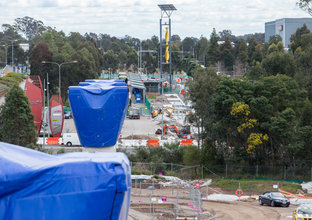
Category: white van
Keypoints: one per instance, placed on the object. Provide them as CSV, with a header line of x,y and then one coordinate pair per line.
x,y
122,75
70,139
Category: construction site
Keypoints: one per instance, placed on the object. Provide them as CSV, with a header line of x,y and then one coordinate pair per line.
x,y
154,116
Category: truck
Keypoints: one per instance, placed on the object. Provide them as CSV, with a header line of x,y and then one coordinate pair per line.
x,y
70,139
134,113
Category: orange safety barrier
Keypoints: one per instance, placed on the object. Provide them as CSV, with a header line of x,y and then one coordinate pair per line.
x,y
153,143
293,196
53,140
186,142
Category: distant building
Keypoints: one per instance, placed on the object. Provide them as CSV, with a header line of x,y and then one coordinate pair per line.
x,y
285,27
25,47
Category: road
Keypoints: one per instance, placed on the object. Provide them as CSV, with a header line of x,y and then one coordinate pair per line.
x,y
247,210
144,126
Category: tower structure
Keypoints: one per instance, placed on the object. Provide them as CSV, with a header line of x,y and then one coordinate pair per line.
x,y
165,21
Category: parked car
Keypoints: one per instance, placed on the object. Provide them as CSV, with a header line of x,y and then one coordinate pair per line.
x,y
302,213
274,199
68,115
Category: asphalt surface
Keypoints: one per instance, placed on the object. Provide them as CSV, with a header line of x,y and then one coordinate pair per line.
x,y
145,126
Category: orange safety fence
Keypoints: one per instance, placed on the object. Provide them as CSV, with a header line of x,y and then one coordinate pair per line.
x,y
293,196
53,141
186,142
153,143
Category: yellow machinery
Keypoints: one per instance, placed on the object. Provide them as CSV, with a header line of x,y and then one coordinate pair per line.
x,y
167,45
169,110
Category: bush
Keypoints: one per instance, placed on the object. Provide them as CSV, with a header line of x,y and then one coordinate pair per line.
x,y
12,78
151,96
191,156
61,151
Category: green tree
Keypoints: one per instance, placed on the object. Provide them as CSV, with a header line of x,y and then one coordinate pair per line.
x,y
227,33
110,60
241,51
279,63
17,125
201,48
276,103
191,156
201,90
296,38
40,53
227,56
255,53
30,27
213,53
188,44
274,39
305,5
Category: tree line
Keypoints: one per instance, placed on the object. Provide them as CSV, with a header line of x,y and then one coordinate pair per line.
x,y
102,52
264,117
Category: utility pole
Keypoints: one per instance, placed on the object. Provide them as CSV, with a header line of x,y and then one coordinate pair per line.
x,y
48,110
44,115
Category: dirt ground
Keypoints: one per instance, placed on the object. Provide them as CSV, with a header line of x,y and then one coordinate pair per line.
x,y
236,210
247,210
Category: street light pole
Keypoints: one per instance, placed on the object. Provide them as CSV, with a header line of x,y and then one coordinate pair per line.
x,y
59,66
12,55
48,104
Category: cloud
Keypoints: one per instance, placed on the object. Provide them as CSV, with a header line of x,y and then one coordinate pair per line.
x,y
140,18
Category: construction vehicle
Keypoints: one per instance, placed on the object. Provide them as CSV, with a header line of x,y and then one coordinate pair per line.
x,y
134,113
155,113
184,132
168,110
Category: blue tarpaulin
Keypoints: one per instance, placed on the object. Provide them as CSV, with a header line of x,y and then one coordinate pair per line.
x,y
99,109
35,185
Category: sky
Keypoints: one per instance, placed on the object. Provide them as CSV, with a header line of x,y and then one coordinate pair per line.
x,y
140,18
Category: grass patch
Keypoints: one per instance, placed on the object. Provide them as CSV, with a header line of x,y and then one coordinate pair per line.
x,y
151,96
254,186
11,78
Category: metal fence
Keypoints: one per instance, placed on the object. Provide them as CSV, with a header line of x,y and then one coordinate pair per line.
x,y
148,105
267,172
181,171
226,171
163,200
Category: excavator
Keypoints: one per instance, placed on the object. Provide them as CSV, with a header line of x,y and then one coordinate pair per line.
x,y
184,132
